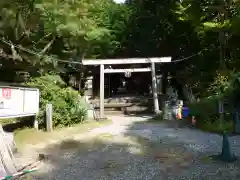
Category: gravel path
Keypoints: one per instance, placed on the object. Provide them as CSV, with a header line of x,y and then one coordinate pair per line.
x,y
133,149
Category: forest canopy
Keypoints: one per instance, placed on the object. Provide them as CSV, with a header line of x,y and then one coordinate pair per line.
x,y
42,36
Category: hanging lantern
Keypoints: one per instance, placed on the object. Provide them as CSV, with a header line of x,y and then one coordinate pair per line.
x,y
127,74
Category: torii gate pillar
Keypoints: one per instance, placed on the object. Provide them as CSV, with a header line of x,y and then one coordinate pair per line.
x,y
154,88
101,91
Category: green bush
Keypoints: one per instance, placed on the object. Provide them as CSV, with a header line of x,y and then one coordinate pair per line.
x,y
205,108
225,87
208,119
67,106
216,126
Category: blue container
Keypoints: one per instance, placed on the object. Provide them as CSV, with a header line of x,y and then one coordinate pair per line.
x,y
185,112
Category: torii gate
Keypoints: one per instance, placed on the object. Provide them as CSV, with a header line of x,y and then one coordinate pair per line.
x,y
103,62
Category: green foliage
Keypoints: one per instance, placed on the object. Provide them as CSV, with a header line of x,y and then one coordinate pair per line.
x,y
208,15
67,107
220,85
215,126
47,30
207,31
79,18
208,119
205,108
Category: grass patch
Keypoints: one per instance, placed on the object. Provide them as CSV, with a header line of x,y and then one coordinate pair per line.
x,y
216,126
105,136
31,136
205,159
158,117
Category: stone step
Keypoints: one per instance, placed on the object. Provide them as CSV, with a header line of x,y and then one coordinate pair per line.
x,y
128,110
132,108
123,100
123,105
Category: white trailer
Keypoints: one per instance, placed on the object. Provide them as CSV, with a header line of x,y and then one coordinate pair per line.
x,y
14,102
18,102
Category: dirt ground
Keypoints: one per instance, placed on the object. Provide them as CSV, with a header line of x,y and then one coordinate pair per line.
x,y
132,148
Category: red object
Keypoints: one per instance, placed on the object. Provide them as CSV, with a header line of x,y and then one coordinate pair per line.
x,y
194,120
179,114
6,93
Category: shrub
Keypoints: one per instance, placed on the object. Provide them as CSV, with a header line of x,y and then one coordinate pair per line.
x,y
205,108
208,119
215,125
67,108
225,87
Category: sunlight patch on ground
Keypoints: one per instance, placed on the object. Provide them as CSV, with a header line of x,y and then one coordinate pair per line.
x,y
135,150
105,136
30,136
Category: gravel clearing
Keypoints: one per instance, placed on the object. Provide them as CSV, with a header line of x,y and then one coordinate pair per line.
x,y
134,149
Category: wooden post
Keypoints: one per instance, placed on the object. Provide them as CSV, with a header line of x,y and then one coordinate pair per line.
x,y
49,117
109,86
35,122
101,91
154,89
160,91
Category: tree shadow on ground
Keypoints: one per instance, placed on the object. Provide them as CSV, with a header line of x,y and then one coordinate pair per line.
x,y
140,153
200,146
107,157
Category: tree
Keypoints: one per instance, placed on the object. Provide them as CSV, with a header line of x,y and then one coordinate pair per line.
x,y
221,17
47,31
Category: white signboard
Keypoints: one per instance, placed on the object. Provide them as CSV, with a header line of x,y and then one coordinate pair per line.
x,y
18,102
